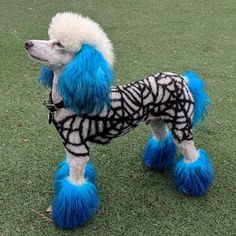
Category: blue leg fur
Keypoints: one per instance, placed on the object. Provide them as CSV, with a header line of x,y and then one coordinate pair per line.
x,y
194,178
75,204
160,154
63,171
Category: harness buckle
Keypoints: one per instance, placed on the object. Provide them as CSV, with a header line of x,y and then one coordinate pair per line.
x,y
50,106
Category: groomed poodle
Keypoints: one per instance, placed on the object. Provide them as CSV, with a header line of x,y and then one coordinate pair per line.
x,y
86,109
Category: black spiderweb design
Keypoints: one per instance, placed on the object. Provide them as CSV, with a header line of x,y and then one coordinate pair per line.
x,y
162,95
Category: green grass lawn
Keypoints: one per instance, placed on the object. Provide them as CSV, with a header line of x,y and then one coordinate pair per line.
x,y
148,36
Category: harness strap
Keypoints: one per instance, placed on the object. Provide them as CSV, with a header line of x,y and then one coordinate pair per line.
x,y
52,107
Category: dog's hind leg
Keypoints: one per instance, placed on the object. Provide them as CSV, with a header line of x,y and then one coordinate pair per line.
x,y
160,150
77,198
193,172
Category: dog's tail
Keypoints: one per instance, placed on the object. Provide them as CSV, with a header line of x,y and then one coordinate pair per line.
x,y
197,88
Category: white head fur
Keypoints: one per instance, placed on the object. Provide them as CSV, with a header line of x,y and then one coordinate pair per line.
x,y
68,32
73,30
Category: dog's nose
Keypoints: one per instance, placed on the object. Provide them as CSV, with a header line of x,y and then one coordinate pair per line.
x,y
29,44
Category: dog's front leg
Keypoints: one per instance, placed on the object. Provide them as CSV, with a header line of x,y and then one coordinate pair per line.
x,y
77,198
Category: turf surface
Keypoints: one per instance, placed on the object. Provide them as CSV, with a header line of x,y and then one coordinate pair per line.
x,y
148,36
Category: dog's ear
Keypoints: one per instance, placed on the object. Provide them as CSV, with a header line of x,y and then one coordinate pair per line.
x,y
46,76
84,83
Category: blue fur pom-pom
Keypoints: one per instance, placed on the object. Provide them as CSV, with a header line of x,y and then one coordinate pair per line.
x,y
90,172
63,171
197,88
194,178
75,204
160,154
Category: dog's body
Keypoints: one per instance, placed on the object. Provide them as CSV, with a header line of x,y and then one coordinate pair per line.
x,y
87,110
157,97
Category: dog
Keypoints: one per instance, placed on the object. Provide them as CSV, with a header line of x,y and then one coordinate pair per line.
x,y
77,66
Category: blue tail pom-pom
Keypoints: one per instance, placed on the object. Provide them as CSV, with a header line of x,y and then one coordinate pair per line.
x,y
75,204
63,171
197,88
194,178
160,154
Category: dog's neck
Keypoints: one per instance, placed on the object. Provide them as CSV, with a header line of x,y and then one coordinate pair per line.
x,y
56,97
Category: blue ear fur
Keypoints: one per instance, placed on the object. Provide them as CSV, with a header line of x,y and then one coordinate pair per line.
x,y
46,76
84,83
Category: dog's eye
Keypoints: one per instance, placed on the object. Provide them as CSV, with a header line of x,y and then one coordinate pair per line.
x,y
59,45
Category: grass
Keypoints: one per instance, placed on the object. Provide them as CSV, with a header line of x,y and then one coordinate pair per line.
x,y
148,36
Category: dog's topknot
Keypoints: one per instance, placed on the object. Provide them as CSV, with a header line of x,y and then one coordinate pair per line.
x,y
74,30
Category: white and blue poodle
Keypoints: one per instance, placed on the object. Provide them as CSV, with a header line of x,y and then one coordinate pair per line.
x,y
86,109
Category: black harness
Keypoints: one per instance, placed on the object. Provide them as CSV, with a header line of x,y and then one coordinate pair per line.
x,y
52,107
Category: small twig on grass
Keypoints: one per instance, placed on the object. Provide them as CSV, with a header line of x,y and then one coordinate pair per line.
x,y
45,218
49,210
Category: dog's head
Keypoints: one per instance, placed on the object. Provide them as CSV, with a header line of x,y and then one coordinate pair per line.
x,y
82,54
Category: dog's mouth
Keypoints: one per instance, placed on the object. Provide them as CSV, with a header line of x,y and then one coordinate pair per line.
x,y
38,59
